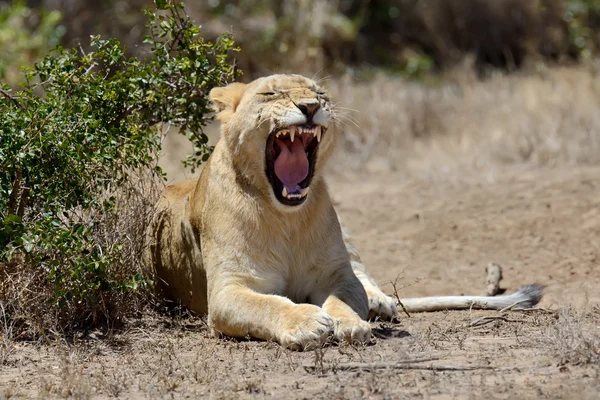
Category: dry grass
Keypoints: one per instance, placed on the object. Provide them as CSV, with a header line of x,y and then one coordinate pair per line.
x,y
6,336
459,122
443,129
441,356
573,340
26,307
542,118
545,118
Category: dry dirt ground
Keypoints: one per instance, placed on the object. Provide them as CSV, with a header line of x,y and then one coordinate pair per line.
x,y
541,225
432,234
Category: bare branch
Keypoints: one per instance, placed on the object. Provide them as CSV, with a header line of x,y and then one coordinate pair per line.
x,y
407,365
14,193
12,98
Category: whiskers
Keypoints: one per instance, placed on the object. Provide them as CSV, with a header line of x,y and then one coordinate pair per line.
x,y
343,115
320,80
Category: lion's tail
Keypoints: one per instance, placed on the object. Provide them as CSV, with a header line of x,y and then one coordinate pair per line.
x,y
526,297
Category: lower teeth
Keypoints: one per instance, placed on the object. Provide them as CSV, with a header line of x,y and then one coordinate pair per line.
x,y
290,196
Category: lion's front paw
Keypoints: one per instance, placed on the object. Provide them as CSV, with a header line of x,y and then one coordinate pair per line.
x,y
352,330
381,305
306,327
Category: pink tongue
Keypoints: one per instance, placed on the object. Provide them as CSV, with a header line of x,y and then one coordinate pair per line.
x,y
291,165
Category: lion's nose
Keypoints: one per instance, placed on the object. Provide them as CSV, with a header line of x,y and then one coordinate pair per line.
x,y
309,109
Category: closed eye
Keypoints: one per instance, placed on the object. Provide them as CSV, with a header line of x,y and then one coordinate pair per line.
x,y
268,94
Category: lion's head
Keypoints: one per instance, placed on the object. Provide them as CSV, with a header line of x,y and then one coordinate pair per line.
x,y
280,131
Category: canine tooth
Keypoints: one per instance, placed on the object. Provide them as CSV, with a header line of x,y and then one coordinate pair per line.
x,y
304,192
292,136
284,192
318,133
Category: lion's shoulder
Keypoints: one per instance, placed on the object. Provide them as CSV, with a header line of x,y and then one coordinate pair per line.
x,y
179,190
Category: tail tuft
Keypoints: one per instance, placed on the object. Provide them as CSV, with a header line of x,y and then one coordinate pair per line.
x,y
528,296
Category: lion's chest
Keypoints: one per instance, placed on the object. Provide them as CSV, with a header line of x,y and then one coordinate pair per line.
x,y
295,267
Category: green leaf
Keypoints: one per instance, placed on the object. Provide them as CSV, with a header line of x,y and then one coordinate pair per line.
x,y
161,4
81,139
12,219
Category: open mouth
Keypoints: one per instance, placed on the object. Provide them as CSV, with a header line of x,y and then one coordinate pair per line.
x,y
291,155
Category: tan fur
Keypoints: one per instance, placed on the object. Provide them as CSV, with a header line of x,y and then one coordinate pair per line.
x,y
223,245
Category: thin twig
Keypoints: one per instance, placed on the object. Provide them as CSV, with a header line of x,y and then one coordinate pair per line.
x,y
12,98
235,68
403,308
402,365
16,187
490,318
91,67
396,295
541,309
513,305
24,195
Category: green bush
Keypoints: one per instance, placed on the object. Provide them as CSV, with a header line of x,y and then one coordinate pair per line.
x,y
71,140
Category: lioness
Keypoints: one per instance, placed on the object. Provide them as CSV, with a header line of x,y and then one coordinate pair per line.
x,y
255,241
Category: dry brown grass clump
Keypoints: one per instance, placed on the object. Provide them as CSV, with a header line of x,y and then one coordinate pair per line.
x,y
28,309
572,339
543,117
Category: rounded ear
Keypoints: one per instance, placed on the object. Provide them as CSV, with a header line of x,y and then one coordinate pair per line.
x,y
226,99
